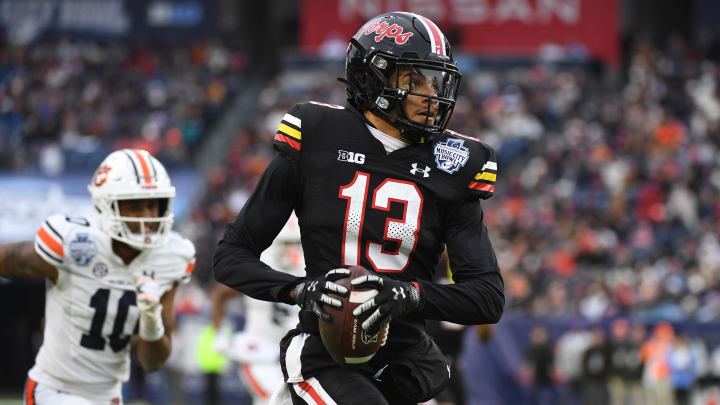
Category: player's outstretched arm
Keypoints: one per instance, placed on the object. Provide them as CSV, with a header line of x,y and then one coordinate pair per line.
x,y
157,321
19,260
219,294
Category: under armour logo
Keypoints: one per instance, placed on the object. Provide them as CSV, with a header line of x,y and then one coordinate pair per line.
x,y
398,292
425,172
313,286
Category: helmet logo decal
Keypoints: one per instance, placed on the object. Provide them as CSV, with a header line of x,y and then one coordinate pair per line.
x,y
101,175
383,29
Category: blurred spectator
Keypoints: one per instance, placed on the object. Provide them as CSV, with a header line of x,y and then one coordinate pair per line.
x,y
540,357
655,353
624,383
684,368
569,354
595,368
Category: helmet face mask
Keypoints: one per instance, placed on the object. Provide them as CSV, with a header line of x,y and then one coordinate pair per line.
x,y
392,46
133,175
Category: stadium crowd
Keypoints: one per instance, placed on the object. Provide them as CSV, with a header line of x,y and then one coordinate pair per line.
x,y
65,104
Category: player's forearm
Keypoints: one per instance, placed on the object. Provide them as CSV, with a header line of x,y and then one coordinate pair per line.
x,y
19,260
239,268
153,355
473,302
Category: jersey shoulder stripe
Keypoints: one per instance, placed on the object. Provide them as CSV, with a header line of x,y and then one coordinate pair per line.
x,y
185,249
289,131
485,179
50,239
302,117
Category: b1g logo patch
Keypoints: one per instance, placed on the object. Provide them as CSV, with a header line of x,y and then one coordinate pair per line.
x,y
82,249
352,157
100,270
451,155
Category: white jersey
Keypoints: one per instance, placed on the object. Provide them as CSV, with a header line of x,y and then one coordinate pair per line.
x,y
90,314
272,320
265,322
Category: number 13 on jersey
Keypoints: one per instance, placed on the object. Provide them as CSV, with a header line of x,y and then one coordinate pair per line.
x,y
404,230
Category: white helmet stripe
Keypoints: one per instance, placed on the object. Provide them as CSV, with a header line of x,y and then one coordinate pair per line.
x,y
152,166
147,178
137,173
142,163
437,38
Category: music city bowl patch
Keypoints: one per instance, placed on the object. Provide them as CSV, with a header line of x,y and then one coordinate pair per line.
x,y
82,249
451,155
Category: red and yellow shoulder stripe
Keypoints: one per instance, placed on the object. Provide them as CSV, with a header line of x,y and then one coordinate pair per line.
x,y
485,180
289,131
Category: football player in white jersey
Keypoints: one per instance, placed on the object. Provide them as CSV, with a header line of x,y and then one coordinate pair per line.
x,y
257,347
110,283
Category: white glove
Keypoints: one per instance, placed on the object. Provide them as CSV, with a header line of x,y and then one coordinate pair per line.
x,y
148,294
221,344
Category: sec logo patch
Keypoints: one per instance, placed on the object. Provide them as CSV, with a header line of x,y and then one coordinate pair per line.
x,y
100,270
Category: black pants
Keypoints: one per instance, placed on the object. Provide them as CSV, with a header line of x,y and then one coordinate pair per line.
x,y
397,377
345,387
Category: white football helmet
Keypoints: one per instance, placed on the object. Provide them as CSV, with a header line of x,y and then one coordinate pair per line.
x,y
285,253
132,174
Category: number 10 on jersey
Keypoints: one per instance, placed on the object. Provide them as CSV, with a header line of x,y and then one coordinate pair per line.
x,y
404,231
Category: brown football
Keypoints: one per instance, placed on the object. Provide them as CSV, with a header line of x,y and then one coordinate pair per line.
x,y
344,337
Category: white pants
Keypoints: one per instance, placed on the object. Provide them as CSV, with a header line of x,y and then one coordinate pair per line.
x,y
261,380
39,394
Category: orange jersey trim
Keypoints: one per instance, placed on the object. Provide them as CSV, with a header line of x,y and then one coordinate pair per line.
x,y
253,382
30,392
190,267
48,240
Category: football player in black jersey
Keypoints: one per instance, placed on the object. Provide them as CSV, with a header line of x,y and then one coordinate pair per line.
x,y
379,182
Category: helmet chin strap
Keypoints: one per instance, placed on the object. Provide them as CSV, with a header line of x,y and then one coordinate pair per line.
x,y
411,134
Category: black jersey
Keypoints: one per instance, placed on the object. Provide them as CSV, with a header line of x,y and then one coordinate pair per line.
x,y
358,205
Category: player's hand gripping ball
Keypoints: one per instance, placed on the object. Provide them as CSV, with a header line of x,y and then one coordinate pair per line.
x,y
344,338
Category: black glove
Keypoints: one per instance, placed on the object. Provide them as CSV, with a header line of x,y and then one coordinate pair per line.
x,y
310,294
394,298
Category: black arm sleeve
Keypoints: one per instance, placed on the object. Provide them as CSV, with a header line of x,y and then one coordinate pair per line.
x,y
236,262
477,297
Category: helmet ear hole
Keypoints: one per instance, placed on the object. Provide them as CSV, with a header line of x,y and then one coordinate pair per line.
x,y
163,206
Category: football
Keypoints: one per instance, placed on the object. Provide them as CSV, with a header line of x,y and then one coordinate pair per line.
x,y
344,338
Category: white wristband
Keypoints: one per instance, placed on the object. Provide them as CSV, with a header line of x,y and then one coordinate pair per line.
x,y
151,325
